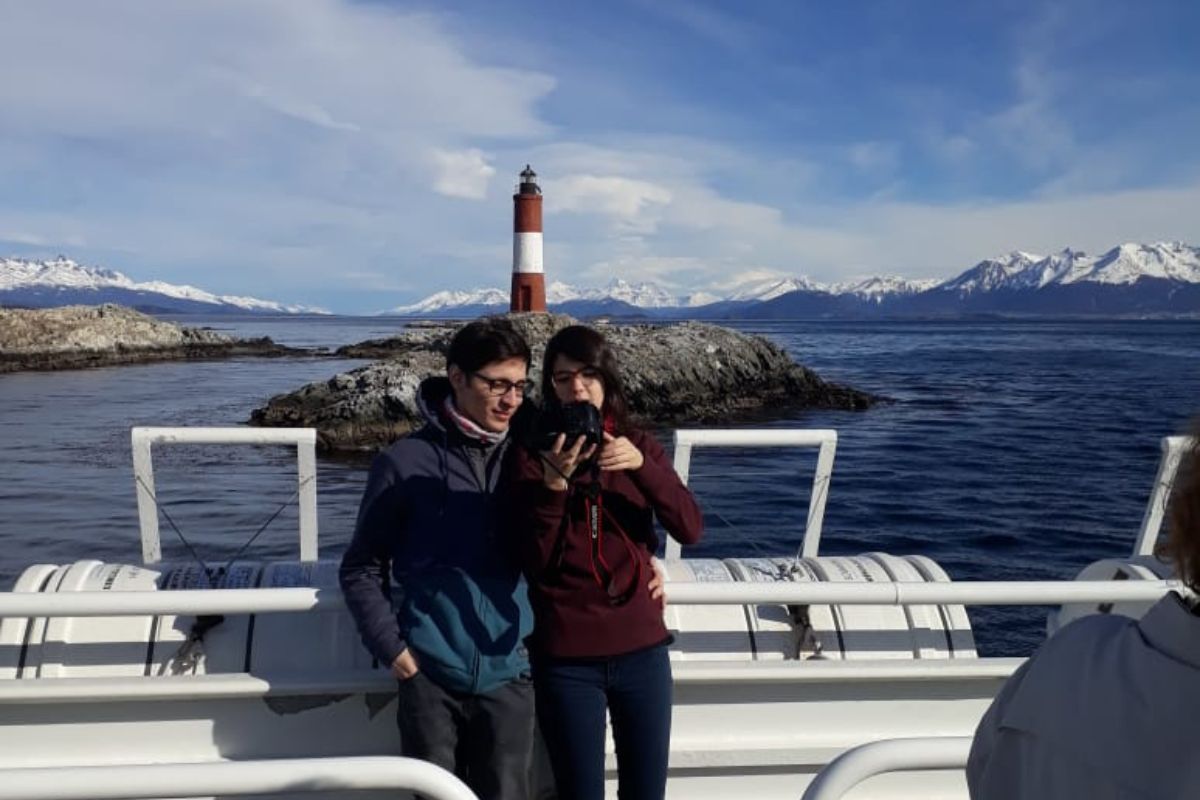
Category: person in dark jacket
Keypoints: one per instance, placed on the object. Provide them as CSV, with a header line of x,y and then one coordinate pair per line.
x,y
455,641
583,518
1105,709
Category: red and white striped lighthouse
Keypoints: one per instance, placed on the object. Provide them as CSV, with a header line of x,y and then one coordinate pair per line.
x,y
528,279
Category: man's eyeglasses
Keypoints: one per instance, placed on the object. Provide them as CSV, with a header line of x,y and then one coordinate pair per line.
x,y
498,387
588,375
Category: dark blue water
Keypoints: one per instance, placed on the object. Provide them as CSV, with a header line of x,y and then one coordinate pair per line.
x,y
1012,450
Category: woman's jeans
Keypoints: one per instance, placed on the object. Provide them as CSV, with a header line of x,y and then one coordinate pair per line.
x,y
572,695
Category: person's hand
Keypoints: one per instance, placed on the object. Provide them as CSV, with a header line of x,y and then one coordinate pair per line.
x,y
619,453
558,464
405,666
657,586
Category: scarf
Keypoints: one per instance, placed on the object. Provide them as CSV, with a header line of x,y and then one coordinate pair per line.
x,y
467,427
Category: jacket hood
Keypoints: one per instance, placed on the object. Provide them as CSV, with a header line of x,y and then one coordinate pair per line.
x,y
431,394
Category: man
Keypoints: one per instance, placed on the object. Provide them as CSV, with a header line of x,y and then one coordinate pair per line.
x,y
455,643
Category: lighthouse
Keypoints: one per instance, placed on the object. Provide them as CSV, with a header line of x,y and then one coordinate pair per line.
x,y
528,280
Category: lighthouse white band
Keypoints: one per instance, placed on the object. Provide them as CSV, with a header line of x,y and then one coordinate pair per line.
x,y
527,252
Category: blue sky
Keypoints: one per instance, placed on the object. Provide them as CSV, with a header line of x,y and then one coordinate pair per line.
x,y
358,156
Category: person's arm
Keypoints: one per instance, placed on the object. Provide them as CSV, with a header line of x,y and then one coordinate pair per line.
x,y
537,511
983,746
363,574
534,514
673,503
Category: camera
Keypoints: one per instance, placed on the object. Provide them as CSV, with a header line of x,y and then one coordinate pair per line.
x,y
573,419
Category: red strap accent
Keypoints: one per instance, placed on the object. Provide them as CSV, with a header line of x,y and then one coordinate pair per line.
x,y
607,581
594,547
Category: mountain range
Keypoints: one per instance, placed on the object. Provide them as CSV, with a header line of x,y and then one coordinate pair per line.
x,y
63,282
1139,279
1131,279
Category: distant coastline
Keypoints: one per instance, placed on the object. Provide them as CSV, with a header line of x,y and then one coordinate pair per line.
x,y
78,337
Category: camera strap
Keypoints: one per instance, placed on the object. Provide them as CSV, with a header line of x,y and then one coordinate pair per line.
x,y
602,572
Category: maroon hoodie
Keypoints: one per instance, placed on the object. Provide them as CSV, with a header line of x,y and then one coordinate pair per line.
x,y
590,598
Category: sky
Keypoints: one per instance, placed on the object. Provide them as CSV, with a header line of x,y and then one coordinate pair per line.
x,y
362,155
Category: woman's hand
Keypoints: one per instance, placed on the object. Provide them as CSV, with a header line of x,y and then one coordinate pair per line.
x,y
619,453
558,464
657,585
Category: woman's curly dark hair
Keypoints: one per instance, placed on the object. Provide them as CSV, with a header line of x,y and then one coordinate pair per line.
x,y
1183,540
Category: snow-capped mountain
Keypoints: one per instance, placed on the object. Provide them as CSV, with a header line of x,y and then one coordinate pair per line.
x,y
1130,262
63,281
1125,264
878,289
643,295
1130,278
442,301
761,290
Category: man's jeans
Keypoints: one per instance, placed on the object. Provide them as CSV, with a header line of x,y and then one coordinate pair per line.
x,y
486,739
572,695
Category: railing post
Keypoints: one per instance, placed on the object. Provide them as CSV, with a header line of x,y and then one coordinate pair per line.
x,y
683,467
143,479
1173,448
816,501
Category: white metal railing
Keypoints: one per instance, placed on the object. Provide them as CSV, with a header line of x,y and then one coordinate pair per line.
x,y
1173,449
900,593
185,601
904,593
293,775
826,440
303,439
887,755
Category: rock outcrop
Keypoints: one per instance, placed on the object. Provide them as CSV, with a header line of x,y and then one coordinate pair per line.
x,y
688,373
73,337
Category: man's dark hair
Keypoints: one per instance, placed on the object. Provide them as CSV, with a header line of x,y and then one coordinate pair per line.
x,y
484,341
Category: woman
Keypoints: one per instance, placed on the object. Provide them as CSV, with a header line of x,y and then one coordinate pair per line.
x,y
1108,707
583,518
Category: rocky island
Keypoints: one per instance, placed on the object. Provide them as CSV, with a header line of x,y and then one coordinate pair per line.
x,y
682,374
74,337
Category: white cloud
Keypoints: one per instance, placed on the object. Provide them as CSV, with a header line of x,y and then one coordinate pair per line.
x,y
22,238
874,156
465,173
299,110
628,200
